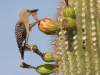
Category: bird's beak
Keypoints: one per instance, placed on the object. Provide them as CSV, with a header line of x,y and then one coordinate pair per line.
x,y
35,10
34,14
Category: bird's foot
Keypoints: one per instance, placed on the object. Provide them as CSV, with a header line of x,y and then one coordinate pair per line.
x,y
32,25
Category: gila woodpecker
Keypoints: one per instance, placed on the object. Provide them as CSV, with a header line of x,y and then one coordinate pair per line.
x,y
22,30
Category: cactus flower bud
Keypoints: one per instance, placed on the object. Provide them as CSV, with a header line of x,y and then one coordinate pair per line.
x,y
46,69
68,12
68,23
49,57
48,26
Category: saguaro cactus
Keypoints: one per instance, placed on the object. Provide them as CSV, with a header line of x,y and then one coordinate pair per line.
x,y
77,42
79,50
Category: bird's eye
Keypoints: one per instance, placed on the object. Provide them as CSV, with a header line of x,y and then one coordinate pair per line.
x,y
27,10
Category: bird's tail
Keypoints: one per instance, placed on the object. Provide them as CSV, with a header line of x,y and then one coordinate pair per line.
x,y
26,46
22,54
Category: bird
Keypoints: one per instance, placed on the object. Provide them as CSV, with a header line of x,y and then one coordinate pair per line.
x,y
22,30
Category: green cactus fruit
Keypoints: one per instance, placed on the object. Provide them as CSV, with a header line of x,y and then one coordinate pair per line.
x,y
44,74
48,26
68,12
68,23
46,69
49,57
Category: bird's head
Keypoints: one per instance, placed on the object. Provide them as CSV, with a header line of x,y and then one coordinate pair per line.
x,y
27,12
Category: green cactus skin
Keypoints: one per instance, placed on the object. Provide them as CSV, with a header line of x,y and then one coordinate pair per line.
x,y
79,51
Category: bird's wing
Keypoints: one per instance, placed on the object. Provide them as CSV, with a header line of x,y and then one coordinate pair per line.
x,y
20,33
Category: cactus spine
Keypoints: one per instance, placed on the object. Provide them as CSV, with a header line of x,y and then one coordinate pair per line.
x,y
79,50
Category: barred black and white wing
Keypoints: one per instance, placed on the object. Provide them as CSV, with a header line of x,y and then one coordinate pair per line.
x,y
20,33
